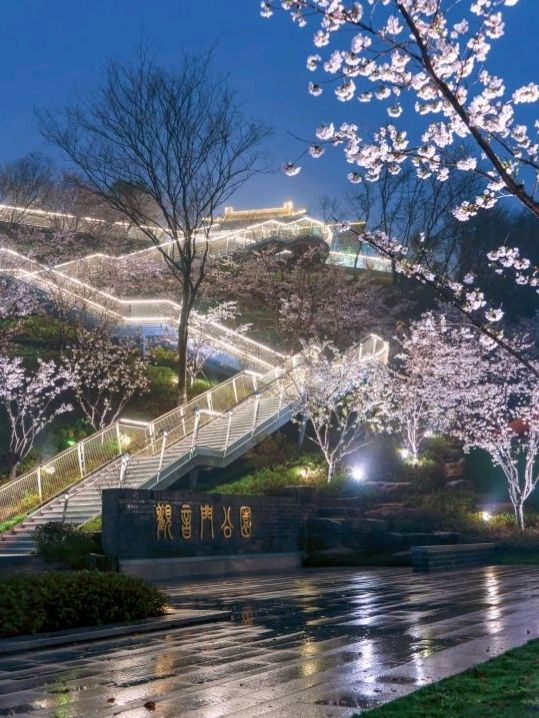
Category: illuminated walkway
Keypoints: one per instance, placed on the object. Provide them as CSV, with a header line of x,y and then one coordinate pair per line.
x,y
212,430
315,644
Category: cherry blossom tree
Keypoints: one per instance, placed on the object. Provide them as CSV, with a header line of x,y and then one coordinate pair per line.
x,y
481,395
338,397
24,185
17,301
29,401
498,414
413,407
427,60
104,374
305,299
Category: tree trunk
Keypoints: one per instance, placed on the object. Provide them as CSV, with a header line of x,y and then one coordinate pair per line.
x,y
331,470
301,431
182,358
13,472
518,506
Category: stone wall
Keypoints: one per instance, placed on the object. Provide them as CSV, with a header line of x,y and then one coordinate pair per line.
x,y
151,524
445,558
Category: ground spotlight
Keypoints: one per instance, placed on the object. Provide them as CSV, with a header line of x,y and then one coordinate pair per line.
x,y
357,473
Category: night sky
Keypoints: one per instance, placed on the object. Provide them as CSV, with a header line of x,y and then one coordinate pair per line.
x,y
50,48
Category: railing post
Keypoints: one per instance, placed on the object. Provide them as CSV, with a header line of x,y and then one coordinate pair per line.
x,y
235,390
123,469
151,430
281,395
229,424
39,486
255,414
195,429
118,438
183,422
162,454
210,402
66,501
80,454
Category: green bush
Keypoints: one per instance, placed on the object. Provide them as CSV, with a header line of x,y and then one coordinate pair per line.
x,y
270,480
62,542
93,526
44,330
425,477
8,523
274,449
446,510
54,601
199,386
163,357
66,435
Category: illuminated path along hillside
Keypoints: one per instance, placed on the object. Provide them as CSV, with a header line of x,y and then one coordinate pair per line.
x,y
213,429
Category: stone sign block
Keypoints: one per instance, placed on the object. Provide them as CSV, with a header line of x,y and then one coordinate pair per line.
x,y
145,524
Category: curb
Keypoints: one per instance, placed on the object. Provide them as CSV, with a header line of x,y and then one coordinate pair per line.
x,y
172,619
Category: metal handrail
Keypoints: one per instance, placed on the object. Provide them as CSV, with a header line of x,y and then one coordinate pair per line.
x,y
282,385
67,468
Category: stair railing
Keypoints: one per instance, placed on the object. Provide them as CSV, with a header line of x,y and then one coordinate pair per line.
x,y
53,476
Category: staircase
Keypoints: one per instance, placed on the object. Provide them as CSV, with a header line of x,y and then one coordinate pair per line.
x,y
195,436
212,430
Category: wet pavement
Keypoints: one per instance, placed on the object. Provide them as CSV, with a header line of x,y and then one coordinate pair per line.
x,y
309,644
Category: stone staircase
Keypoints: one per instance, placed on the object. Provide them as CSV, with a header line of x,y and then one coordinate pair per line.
x,y
217,442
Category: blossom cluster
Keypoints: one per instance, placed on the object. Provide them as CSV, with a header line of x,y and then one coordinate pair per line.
x,y
428,58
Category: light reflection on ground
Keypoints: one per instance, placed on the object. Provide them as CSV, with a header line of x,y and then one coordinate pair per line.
x,y
311,644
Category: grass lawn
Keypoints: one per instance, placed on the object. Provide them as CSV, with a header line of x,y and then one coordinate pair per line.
x,y
505,687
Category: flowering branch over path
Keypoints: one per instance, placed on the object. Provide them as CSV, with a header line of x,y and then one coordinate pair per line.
x,y
426,57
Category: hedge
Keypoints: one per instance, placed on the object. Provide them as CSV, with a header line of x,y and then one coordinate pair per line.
x,y
55,601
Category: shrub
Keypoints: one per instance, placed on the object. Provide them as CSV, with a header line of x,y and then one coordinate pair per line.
x,y
274,449
9,523
66,435
54,601
161,356
448,510
426,476
62,542
199,386
270,480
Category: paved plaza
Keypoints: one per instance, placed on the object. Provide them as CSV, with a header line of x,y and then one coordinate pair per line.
x,y
310,644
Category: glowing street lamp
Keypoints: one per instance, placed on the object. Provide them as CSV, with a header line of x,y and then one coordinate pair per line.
x,y
357,473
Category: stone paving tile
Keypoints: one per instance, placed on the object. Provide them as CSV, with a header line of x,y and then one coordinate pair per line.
x,y
319,644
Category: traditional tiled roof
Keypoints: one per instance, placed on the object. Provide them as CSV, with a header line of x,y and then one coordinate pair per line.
x,y
248,216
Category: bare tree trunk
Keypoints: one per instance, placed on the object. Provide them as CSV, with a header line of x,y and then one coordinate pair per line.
x,y
183,335
13,472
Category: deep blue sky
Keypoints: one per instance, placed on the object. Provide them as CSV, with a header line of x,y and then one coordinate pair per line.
x,y
49,48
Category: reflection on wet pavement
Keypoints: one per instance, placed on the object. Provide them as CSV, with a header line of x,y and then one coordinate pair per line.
x,y
313,644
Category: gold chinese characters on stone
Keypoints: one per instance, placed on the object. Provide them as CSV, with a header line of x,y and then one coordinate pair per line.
x,y
163,521
245,521
226,526
165,514
206,517
186,516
